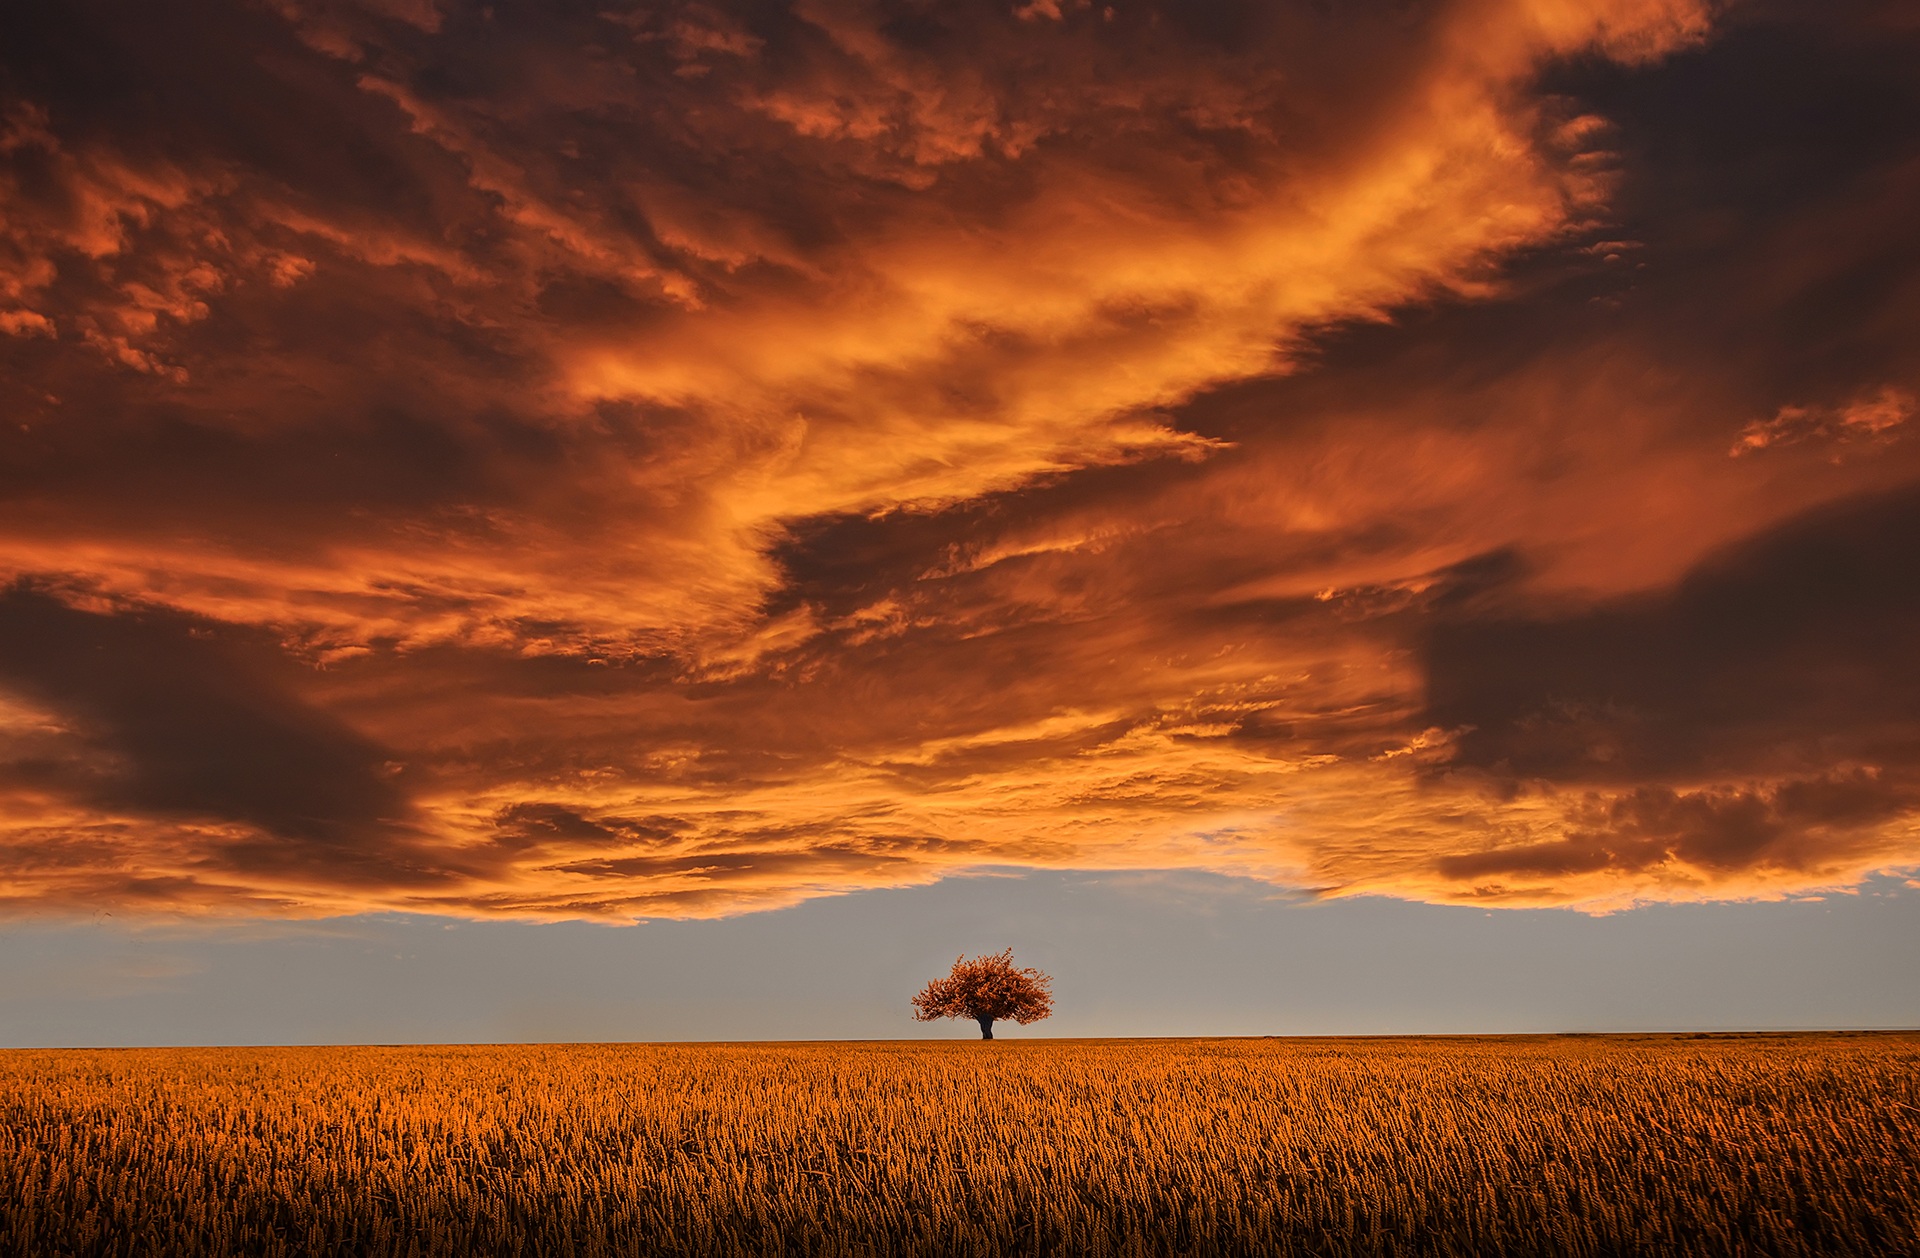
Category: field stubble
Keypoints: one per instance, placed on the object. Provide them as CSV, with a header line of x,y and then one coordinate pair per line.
x,y
1565,1145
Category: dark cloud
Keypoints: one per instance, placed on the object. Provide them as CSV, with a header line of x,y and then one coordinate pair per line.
x,y
1794,828
1756,718
182,721
1785,654
532,823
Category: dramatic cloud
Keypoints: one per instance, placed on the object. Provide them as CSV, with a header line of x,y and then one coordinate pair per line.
x,y
664,459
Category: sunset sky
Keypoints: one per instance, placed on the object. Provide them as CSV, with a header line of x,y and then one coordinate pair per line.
x,y
472,468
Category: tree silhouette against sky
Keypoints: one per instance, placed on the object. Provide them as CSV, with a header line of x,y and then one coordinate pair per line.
x,y
987,989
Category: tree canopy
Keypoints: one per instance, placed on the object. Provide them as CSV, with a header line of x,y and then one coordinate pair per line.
x,y
986,990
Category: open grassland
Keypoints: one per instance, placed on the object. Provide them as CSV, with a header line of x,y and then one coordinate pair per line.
x,y
1565,1145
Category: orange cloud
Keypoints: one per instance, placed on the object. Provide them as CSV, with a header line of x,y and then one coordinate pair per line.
x,y
1871,418
683,460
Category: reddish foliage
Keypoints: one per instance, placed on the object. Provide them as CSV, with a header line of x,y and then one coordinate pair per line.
x,y
985,990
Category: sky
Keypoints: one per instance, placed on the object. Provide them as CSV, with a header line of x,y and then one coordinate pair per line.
x,y
1131,954
563,476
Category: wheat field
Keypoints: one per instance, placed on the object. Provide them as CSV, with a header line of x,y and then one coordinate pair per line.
x,y
1801,1144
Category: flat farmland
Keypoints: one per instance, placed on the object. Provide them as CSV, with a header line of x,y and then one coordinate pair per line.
x,y
1761,1144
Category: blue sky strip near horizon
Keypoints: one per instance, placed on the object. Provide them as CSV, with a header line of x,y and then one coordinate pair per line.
x,y
1133,954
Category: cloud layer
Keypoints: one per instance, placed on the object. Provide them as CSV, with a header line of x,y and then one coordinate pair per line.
x,y
673,459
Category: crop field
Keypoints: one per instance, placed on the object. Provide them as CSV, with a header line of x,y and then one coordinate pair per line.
x,y
1787,1144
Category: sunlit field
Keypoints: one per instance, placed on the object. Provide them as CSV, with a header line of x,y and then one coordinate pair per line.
x,y
1567,1145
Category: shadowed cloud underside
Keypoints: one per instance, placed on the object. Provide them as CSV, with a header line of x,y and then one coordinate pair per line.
x,y
672,459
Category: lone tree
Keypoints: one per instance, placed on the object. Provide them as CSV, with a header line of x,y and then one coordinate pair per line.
x,y
986,989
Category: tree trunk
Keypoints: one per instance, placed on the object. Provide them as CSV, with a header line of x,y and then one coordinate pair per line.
x,y
986,1028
